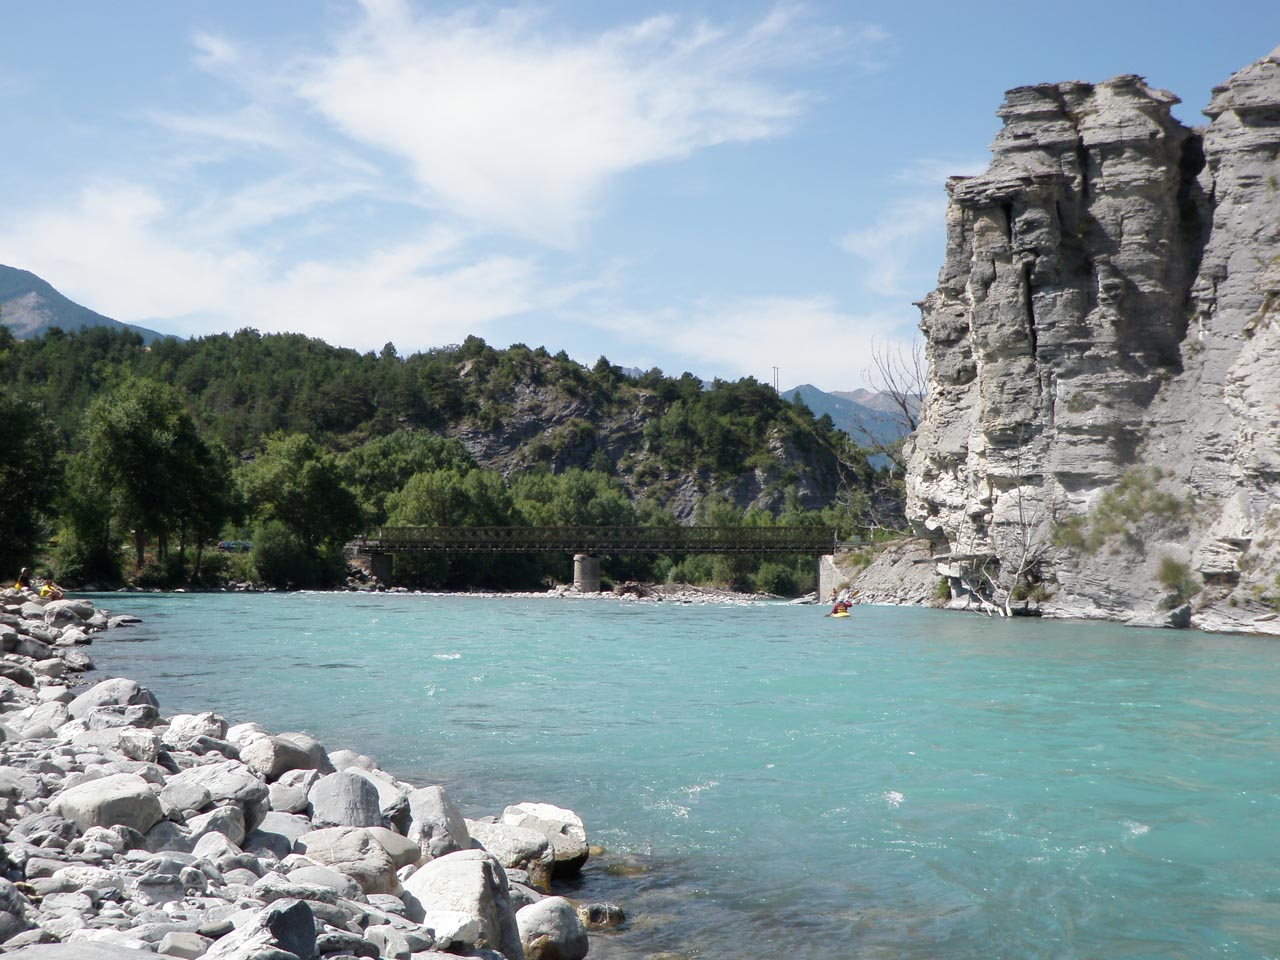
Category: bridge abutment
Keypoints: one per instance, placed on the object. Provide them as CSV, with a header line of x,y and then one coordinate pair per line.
x,y
586,573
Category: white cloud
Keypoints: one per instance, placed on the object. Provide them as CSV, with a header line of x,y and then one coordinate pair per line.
x,y
807,338
890,249
123,250
214,53
515,126
910,232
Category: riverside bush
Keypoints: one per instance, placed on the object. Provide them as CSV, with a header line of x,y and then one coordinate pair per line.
x,y
283,560
1177,578
776,578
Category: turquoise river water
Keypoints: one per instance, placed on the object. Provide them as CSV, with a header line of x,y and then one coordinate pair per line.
x,y
770,783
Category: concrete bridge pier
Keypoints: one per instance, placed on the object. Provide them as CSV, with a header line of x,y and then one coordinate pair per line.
x,y
380,565
586,573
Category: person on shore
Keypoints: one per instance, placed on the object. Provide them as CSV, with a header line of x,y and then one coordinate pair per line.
x,y
24,580
50,591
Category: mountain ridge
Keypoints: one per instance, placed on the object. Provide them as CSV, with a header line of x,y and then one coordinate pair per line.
x,y
30,306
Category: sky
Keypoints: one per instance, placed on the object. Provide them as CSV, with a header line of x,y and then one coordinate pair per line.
x,y
729,188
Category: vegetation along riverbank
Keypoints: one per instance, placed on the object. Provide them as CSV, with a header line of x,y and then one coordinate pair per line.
x,y
132,460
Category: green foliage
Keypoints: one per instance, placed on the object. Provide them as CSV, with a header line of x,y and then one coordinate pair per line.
x,y
1080,403
776,578
942,589
1271,598
575,497
1177,578
283,559
298,484
452,498
145,466
382,465
330,440
77,562
859,558
162,574
29,480
1134,502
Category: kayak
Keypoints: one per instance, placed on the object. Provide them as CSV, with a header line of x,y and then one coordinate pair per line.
x,y
842,613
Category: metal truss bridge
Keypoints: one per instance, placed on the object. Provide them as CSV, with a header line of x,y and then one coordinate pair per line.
x,y
613,541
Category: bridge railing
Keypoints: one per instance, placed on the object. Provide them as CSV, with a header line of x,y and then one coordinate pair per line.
x,y
597,540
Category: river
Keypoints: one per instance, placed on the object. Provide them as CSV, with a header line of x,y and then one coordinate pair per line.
x,y
769,782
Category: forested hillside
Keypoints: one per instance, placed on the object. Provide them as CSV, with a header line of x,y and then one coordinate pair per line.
x,y
297,445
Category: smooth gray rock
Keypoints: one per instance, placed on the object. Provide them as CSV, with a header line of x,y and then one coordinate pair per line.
x,y
399,941
67,613
517,848
226,820
167,836
116,692
230,780
344,759
563,828
344,799
353,851
436,825
463,897
183,944
182,798
184,727
123,799
270,757
77,661
393,797
289,793
17,673
550,930
403,851
80,950
339,883
287,925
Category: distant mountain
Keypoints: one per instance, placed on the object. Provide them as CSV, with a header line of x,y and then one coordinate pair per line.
x,y
29,306
875,401
865,415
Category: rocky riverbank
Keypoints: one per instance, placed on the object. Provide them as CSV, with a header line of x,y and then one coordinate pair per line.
x,y
127,834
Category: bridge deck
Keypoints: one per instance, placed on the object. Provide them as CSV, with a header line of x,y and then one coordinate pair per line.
x,y
598,540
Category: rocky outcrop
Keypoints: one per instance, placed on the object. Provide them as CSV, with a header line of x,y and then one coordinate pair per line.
x,y
1100,430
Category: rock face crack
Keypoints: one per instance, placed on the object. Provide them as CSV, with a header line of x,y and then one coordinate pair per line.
x,y
1107,317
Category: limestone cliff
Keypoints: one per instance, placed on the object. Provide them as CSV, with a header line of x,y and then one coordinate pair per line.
x,y
1101,423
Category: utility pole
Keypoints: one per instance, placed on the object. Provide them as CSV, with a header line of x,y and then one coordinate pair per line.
x,y
775,381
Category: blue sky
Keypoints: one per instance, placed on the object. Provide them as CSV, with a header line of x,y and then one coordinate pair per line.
x,y
723,188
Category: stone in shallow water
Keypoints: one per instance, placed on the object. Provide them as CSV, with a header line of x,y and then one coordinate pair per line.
x,y
562,827
550,930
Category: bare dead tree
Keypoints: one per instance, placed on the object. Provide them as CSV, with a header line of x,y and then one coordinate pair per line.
x,y
901,374
996,584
